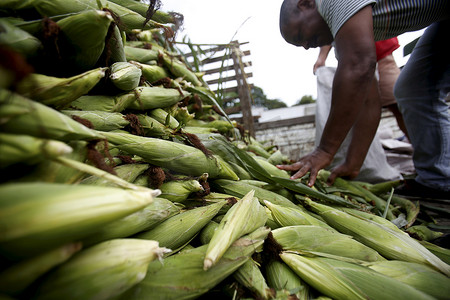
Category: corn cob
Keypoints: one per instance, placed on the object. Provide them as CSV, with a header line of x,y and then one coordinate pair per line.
x,y
100,120
17,148
318,239
151,73
101,272
128,172
390,242
59,92
412,210
250,276
380,204
173,156
145,219
41,121
19,276
164,118
130,18
271,169
239,189
141,8
153,128
125,76
423,233
343,280
156,97
103,103
441,252
207,232
281,277
242,218
179,190
181,228
83,36
421,277
222,126
277,158
182,275
18,40
291,216
48,215
144,56
54,172
179,69
116,47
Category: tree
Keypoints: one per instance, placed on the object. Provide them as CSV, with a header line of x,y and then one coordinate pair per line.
x,y
260,99
305,100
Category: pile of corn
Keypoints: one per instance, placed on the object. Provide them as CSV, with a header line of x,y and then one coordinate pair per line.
x,y
121,178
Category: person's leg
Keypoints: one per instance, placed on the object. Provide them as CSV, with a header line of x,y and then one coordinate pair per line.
x,y
388,73
420,91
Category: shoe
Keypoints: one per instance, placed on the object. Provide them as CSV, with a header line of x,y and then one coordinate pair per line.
x,y
412,189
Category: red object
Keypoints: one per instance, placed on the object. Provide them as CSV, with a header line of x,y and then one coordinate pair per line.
x,y
386,47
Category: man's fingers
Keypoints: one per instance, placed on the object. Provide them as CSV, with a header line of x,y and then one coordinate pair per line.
x,y
293,167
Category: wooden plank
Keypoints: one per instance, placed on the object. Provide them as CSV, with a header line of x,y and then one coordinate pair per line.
x,y
221,58
232,89
287,122
223,69
232,110
226,79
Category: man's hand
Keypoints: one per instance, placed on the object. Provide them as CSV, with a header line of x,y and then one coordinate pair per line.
x,y
345,171
312,163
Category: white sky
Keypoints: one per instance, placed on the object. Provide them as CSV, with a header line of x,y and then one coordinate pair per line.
x,y
283,71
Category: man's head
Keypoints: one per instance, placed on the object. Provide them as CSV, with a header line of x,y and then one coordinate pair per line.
x,y
302,25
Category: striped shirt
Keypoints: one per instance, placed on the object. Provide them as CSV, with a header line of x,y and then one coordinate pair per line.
x,y
390,17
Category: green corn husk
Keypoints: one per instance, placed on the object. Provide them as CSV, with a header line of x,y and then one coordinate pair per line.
x,y
271,169
179,190
19,276
128,17
179,69
55,172
16,4
17,148
164,118
422,278
243,217
292,216
18,40
207,232
281,277
442,253
423,233
277,158
173,156
222,126
128,172
103,271
156,97
250,276
125,76
412,210
153,214
151,73
83,36
103,103
153,128
181,276
59,92
141,8
144,56
369,216
390,242
101,120
115,46
317,239
48,215
239,189
41,120
358,190
181,228
342,280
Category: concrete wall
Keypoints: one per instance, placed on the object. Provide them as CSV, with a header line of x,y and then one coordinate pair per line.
x,y
295,137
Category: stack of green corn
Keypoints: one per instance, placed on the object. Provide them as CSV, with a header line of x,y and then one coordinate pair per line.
x,y
120,180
